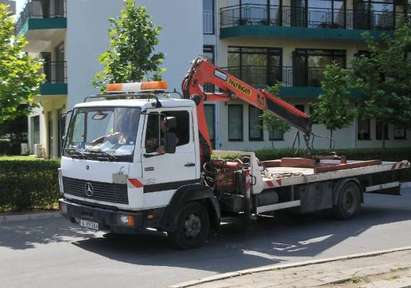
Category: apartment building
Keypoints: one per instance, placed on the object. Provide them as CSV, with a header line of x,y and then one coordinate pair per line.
x,y
260,41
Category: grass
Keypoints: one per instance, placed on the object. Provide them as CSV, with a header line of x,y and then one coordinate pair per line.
x,y
19,158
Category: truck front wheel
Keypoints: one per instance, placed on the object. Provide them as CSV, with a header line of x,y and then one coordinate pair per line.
x,y
193,226
349,201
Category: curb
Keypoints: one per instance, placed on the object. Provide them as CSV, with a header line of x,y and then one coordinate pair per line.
x,y
284,266
28,216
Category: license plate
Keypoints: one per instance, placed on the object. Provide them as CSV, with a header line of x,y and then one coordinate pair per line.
x,y
88,224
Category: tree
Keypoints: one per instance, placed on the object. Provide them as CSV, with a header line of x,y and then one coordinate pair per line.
x,y
20,74
270,121
334,107
383,76
131,56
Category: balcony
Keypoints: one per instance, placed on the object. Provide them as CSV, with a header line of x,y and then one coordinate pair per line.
x,y
304,23
299,83
56,79
41,15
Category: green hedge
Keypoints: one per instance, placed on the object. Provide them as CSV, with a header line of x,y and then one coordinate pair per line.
x,y
27,185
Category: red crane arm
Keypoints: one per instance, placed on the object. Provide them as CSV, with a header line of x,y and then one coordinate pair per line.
x,y
203,72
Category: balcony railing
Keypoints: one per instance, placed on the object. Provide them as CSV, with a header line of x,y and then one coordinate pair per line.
x,y
56,72
263,76
40,9
293,16
208,22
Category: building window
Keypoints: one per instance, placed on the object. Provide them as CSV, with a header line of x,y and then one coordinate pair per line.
x,y
318,13
309,65
259,67
210,117
374,14
300,107
208,16
364,129
379,126
208,52
400,133
36,130
235,122
255,124
275,135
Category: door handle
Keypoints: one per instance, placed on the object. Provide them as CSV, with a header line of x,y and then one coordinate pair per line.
x,y
190,165
148,169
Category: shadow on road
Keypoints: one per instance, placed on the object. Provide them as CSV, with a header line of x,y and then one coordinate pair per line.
x,y
266,242
27,234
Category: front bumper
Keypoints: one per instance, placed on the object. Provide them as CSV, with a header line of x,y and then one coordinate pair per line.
x,y
109,219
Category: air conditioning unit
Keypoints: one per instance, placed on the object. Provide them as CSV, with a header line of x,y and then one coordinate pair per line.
x,y
38,150
24,149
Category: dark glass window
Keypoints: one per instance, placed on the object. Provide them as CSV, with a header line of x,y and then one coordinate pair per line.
x,y
157,128
379,126
300,107
400,133
374,14
318,13
309,65
259,67
208,52
255,124
210,117
364,129
208,16
235,122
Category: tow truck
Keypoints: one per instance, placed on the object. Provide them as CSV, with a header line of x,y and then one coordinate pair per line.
x,y
136,157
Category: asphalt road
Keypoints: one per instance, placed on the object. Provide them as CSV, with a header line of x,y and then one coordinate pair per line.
x,y
55,253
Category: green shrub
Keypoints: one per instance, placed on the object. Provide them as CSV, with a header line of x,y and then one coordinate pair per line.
x,y
26,185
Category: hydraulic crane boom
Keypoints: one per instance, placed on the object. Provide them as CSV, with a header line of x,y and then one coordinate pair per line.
x,y
202,72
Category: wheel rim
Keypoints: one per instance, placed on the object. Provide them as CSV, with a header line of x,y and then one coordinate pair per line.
x,y
348,201
192,226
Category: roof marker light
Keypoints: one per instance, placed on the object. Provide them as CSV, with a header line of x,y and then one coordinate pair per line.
x,y
137,87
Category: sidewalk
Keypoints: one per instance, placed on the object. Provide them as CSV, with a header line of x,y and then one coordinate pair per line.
x,y
391,270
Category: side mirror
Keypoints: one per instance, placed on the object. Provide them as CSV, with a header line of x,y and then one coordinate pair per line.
x,y
170,143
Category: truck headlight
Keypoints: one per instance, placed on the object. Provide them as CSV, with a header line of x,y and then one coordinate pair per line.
x,y
127,220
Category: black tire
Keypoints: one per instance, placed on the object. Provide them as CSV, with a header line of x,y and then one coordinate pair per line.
x,y
193,227
348,202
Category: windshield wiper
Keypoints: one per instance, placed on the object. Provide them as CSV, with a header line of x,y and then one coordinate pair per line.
x,y
75,153
102,154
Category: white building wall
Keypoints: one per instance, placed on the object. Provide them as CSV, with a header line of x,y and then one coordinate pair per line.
x,y
181,39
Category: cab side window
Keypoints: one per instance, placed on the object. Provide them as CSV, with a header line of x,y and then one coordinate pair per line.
x,y
152,142
157,128
183,126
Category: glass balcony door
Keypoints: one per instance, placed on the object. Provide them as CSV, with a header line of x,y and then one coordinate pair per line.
x,y
309,65
257,66
318,13
374,14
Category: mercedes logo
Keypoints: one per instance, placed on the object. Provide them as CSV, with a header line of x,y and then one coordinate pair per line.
x,y
89,190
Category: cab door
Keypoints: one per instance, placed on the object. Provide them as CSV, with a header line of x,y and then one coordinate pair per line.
x,y
164,173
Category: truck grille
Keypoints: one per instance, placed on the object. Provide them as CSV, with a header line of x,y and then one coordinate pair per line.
x,y
100,191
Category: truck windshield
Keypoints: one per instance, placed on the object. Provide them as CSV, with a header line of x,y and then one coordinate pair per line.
x,y
102,133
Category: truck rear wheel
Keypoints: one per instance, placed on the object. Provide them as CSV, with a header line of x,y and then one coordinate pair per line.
x,y
193,226
348,202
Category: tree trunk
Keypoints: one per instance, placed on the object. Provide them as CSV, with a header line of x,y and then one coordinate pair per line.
x,y
383,135
331,139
